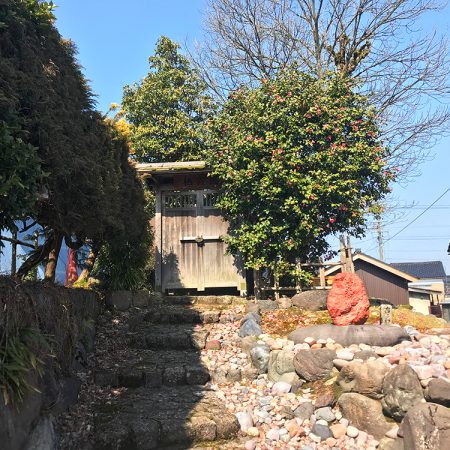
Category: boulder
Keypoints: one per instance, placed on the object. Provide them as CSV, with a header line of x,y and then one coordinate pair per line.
x,y
402,390
281,368
280,361
347,301
426,426
250,328
314,364
267,305
43,436
364,413
438,391
251,315
376,335
260,355
364,378
313,300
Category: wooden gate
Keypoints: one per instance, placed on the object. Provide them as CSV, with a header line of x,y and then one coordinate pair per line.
x,y
192,249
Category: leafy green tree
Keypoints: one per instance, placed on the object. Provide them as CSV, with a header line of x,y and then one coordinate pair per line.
x,y
167,110
90,190
299,159
19,178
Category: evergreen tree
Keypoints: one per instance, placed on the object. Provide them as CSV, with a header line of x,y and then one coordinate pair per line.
x,y
167,110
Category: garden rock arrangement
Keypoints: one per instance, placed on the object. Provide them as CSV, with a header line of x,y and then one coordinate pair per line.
x,y
318,393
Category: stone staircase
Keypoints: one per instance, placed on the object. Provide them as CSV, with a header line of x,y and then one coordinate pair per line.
x,y
161,397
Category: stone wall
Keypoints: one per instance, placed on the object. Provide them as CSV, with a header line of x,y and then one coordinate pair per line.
x,y
67,318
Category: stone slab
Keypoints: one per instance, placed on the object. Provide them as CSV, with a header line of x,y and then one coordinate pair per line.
x,y
378,335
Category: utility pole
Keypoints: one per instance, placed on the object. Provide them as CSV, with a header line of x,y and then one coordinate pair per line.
x,y
380,240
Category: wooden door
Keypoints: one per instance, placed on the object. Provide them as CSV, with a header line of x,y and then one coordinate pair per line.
x,y
193,252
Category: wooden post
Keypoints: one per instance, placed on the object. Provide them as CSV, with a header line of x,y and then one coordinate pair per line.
x,y
322,277
351,266
277,287
14,254
298,266
343,254
257,283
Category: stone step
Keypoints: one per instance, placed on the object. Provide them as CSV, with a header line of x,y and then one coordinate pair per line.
x,y
167,337
177,314
154,369
210,300
167,417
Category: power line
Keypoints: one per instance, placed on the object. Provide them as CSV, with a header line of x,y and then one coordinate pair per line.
x,y
417,217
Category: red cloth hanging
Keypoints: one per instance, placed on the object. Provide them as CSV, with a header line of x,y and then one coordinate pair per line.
x,y
71,269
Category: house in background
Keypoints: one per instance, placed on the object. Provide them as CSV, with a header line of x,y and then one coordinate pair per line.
x,y
397,286
425,270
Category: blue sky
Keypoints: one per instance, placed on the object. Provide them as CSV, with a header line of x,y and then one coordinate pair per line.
x,y
115,38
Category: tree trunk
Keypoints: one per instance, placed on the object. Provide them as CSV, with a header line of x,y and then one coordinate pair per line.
x,y
88,266
36,257
50,269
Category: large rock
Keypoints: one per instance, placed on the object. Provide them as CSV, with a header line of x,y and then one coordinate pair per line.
x,y
364,378
260,355
314,364
402,390
313,300
377,335
438,391
251,316
426,426
347,301
250,328
267,305
364,413
280,362
43,436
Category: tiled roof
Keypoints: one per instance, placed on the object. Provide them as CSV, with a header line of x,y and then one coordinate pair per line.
x,y
425,269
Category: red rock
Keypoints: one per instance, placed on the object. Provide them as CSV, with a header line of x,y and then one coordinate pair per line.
x,y
347,301
213,345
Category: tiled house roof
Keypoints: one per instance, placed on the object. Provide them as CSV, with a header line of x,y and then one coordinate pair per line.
x,y
426,269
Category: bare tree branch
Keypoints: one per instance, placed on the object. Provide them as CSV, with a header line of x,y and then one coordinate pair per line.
x,y
403,70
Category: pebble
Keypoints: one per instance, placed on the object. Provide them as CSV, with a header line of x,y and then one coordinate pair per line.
x,y
281,387
338,430
253,431
340,363
352,431
346,355
250,445
321,430
325,414
245,420
273,434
